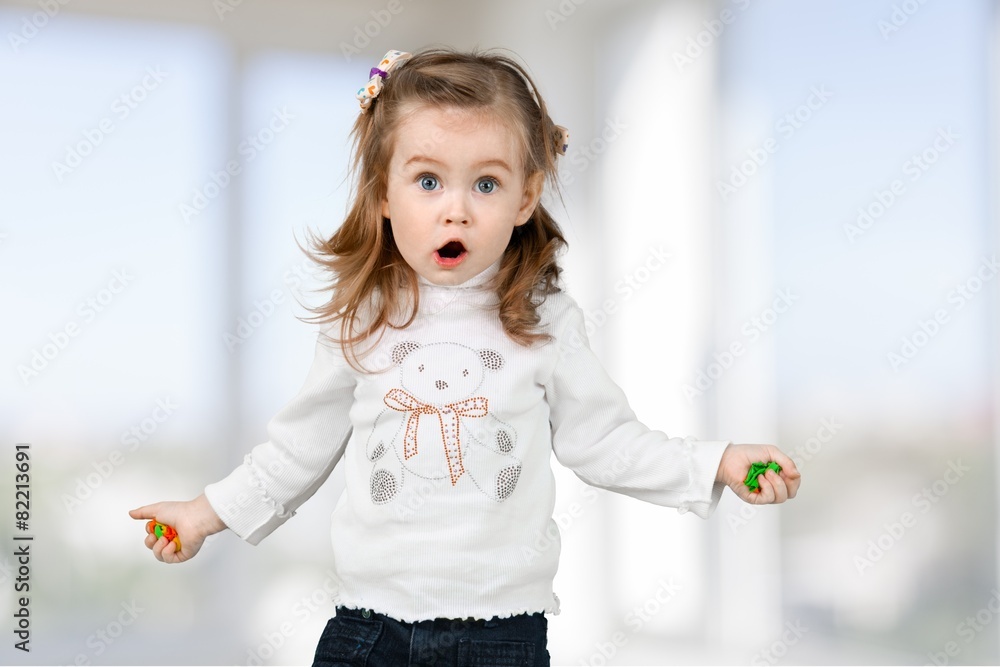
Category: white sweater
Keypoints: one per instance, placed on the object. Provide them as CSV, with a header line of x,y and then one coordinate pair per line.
x,y
447,511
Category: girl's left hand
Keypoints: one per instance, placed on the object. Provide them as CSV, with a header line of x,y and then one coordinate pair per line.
x,y
774,487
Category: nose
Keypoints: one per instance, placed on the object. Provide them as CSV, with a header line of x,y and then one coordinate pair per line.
x,y
457,208
441,384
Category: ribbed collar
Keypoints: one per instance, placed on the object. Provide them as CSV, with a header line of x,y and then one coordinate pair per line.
x,y
476,281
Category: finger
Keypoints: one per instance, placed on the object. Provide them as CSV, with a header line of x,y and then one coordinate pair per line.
x,y
158,548
171,553
789,471
769,491
789,474
793,484
144,512
763,496
759,497
778,486
151,540
785,461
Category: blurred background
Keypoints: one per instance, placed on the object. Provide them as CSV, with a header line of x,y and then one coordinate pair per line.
x,y
782,220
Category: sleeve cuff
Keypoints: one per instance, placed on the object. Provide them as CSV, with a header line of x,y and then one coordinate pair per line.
x,y
703,496
242,505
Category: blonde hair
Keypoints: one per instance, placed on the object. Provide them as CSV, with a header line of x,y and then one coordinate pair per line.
x,y
362,256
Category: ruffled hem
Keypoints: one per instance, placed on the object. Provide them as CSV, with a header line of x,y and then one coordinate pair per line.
x,y
552,610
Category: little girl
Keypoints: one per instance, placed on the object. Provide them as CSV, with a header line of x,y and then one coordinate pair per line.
x,y
449,367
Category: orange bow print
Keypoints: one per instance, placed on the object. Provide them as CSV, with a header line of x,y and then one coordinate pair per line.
x,y
397,399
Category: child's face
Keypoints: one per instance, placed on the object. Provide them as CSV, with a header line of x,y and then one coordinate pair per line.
x,y
455,193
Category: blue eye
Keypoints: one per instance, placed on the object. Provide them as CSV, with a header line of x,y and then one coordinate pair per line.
x,y
428,182
491,184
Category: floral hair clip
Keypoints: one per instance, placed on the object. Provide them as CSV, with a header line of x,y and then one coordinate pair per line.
x,y
391,61
562,140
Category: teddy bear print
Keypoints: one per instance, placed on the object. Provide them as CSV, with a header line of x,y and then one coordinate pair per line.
x,y
437,426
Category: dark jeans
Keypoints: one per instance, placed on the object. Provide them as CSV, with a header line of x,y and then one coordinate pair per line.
x,y
365,638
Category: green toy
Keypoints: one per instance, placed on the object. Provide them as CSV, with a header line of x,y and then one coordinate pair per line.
x,y
162,530
756,470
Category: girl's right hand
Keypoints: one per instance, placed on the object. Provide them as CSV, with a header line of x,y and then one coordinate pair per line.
x,y
194,520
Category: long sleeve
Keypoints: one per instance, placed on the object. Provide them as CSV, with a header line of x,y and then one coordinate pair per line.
x,y
596,434
306,439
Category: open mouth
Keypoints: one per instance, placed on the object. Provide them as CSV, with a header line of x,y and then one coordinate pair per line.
x,y
450,254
